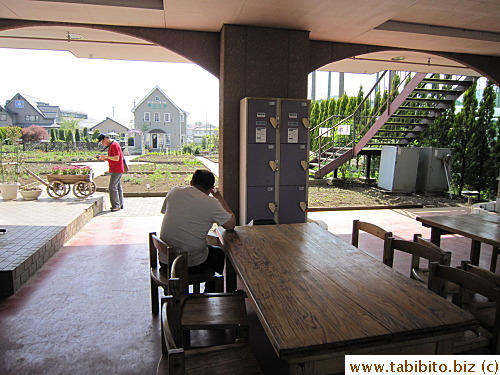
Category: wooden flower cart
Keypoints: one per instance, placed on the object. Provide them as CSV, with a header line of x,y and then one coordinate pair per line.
x,y
59,185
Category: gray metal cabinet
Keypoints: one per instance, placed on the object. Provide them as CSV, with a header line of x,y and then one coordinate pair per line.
x,y
274,150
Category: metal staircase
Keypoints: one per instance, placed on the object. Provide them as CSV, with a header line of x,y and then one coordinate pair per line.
x,y
395,112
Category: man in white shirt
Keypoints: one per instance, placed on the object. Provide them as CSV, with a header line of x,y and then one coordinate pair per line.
x,y
190,213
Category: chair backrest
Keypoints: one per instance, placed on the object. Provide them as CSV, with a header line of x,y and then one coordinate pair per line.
x,y
157,246
369,228
468,282
179,289
493,278
179,275
415,263
417,250
170,327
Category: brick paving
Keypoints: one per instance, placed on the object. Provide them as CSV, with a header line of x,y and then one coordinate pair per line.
x,y
35,231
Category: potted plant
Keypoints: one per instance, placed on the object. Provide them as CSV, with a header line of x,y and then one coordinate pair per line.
x,y
10,169
30,193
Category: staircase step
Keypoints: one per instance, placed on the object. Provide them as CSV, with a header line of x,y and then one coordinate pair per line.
x,y
397,131
389,138
438,91
382,144
402,124
431,100
448,81
410,108
421,117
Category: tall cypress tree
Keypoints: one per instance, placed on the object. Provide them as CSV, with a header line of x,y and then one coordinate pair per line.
x,y
460,135
481,176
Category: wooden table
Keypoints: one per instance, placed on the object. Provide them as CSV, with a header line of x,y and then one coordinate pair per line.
x,y
320,298
482,227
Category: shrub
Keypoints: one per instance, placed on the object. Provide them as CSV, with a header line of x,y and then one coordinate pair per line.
x,y
34,133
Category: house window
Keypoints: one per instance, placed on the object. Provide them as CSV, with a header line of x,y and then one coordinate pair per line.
x,y
166,117
182,117
147,116
157,116
157,98
3,117
167,139
31,117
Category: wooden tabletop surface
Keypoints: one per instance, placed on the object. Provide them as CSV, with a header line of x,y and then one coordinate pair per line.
x,y
481,227
314,291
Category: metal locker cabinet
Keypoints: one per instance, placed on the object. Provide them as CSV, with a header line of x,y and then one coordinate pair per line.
x,y
258,154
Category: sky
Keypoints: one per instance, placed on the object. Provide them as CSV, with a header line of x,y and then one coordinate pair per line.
x,y
106,88
110,88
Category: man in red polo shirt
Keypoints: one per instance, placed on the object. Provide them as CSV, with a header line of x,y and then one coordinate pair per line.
x,y
116,169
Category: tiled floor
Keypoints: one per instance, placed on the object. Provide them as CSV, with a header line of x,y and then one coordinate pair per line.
x,y
87,311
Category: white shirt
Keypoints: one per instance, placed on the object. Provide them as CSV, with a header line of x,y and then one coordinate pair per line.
x,y
189,215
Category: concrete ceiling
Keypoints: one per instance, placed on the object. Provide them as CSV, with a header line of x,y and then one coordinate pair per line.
x,y
460,26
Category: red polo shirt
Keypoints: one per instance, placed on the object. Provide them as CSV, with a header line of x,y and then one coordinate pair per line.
x,y
115,166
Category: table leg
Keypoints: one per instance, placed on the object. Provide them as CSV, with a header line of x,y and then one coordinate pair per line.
x,y
494,257
230,277
436,236
475,251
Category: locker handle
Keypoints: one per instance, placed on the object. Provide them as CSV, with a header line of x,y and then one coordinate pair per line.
x,y
272,207
274,122
303,206
273,165
304,164
305,122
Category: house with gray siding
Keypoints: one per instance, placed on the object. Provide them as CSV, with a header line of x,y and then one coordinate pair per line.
x,y
161,121
5,117
26,110
113,128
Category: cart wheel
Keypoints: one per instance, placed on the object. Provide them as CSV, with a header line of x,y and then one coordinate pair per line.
x,y
84,189
57,189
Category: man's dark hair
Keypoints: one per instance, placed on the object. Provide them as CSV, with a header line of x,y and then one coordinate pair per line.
x,y
203,178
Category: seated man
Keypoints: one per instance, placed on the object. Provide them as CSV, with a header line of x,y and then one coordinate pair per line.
x,y
190,213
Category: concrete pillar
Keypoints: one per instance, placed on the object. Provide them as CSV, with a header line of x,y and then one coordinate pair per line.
x,y
255,62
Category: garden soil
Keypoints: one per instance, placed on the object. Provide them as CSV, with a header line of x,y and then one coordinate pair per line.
x,y
342,193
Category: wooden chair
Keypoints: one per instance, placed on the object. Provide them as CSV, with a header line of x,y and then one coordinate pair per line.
x,y
417,251
207,311
160,279
422,274
487,334
492,277
224,359
483,309
369,228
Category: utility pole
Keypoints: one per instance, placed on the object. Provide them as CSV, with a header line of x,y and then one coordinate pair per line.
x,y
313,86
341,84
329,84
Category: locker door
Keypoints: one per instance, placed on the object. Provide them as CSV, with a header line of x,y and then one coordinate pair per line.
x,y
260,113
258,199
291,204
293,159
259,172
292,113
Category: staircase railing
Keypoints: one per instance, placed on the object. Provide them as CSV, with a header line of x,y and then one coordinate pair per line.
x,y
383,91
